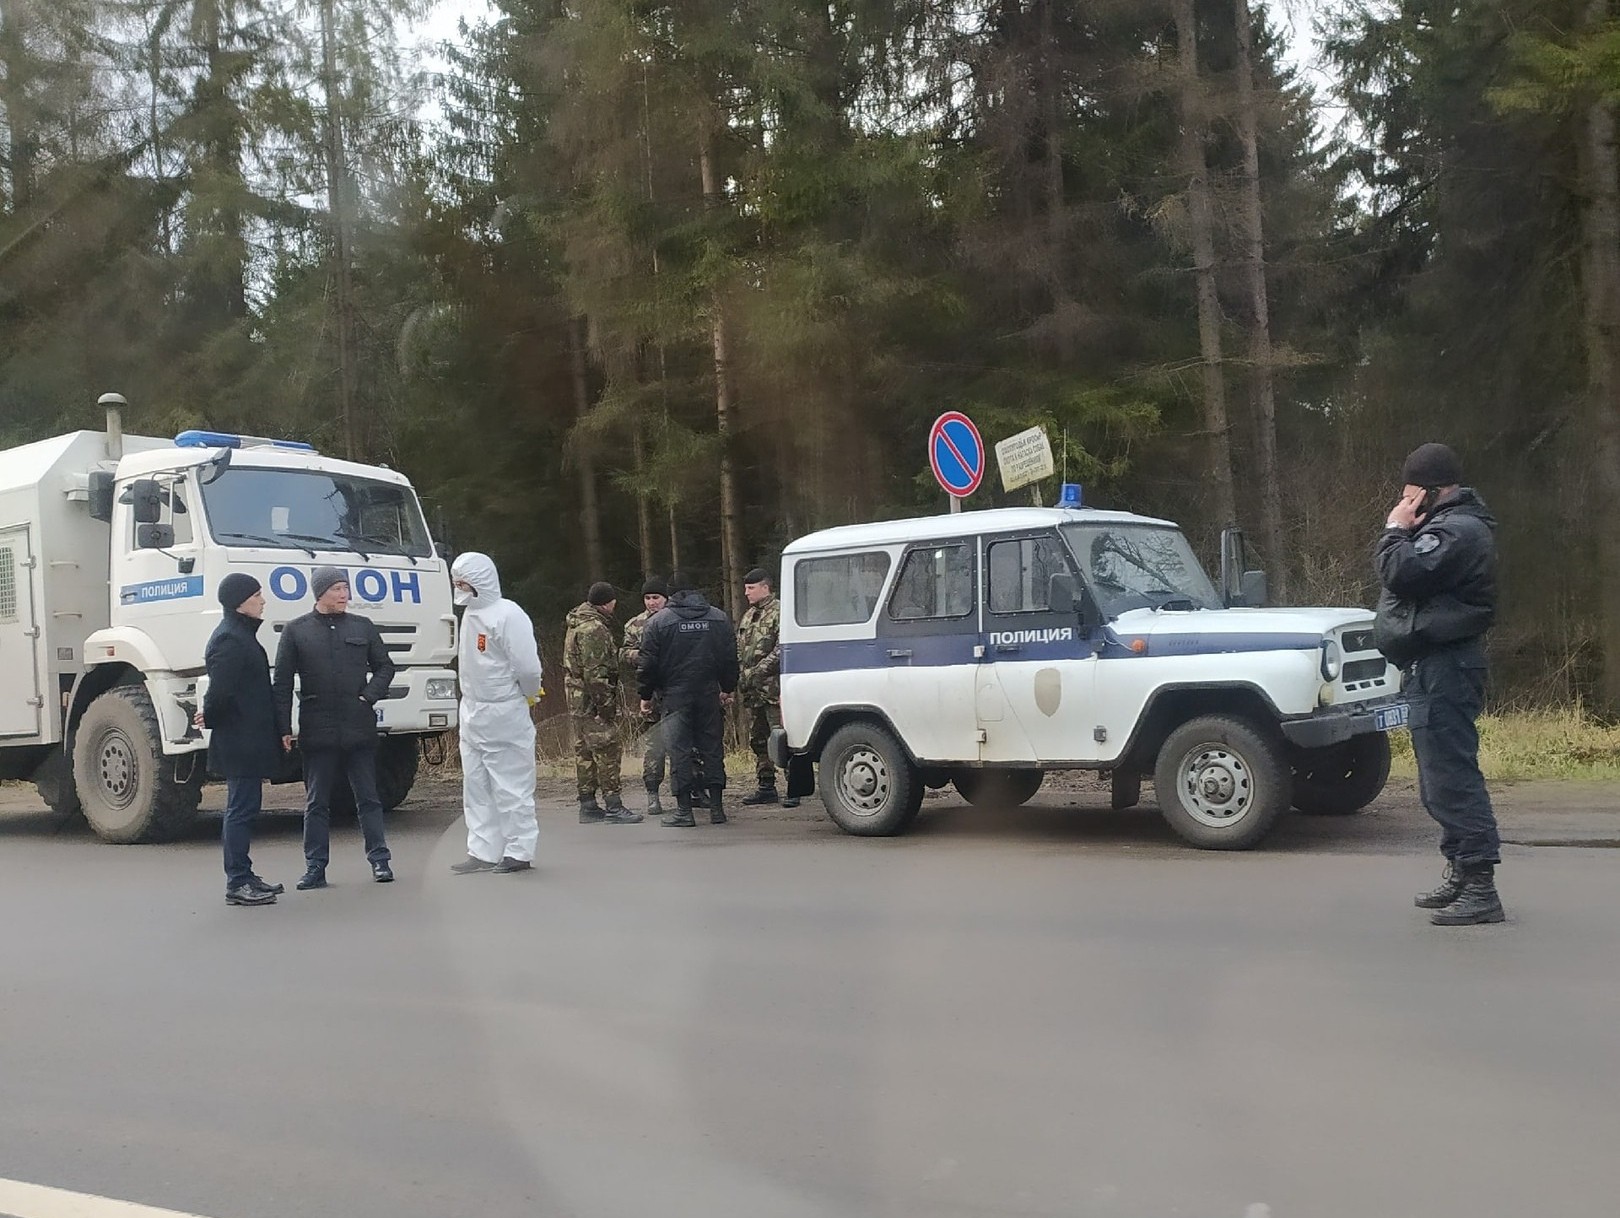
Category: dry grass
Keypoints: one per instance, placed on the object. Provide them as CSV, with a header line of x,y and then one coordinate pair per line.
x,y
1517,746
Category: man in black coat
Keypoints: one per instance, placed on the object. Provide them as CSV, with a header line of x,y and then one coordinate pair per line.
x,y
343,671
243,746
1436,560
689,663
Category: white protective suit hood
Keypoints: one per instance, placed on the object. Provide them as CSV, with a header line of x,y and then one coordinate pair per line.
x,y
479,571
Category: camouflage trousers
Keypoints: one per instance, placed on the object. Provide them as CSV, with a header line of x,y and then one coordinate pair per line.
x,y
761,719
598,754
656,759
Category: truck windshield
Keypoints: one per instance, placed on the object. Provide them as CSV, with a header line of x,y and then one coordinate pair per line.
x,y
295,509
1139,566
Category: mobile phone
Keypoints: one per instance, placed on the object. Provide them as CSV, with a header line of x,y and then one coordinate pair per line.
x,y
1431,496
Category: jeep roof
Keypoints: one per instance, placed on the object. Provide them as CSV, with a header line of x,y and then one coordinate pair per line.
x,y
930,528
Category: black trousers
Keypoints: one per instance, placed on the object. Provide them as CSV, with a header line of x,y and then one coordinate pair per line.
x,y
695,725
324,769
1446,690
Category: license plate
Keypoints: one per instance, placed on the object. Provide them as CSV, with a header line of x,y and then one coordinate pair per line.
x,y
379,717
1389,718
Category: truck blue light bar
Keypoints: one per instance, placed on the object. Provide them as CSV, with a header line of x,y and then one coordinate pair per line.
x,y
224,439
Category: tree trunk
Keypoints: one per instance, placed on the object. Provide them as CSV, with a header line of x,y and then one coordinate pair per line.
x,y
1057,215
725,407
638,455
1600,282
16,105
1260,357
338,202
1201,220
590,509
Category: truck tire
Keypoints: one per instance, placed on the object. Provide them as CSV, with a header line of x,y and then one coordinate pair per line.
x,y
1222,782
131,792
867,783
997,788
397,757
1343,778
54,782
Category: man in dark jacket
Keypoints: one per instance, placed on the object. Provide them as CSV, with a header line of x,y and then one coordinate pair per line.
x,y
1436,561
343,671
689,663
243,746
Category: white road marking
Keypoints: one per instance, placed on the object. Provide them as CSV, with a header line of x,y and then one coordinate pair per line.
x,y
21,1200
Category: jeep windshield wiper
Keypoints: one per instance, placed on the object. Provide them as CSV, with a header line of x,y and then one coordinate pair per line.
x,y
270,541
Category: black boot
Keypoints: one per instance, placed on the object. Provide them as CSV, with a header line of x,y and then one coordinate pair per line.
x,y
1476,903
618,814
717,805
1448,891
681,818
654,808
765,794
313,877
590,812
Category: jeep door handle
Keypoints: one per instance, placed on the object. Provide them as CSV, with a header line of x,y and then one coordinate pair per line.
x,y
897,654
1008,647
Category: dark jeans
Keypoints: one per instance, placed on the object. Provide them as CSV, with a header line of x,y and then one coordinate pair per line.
x,y
324,770
696,726
243,799
1446,690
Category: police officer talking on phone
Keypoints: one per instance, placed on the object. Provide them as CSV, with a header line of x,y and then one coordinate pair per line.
x,y
1436,560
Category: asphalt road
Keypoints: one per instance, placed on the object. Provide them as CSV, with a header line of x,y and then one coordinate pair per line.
x,y
1045,1012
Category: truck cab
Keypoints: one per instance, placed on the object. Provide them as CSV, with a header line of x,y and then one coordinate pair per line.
x,y
985,649
126,540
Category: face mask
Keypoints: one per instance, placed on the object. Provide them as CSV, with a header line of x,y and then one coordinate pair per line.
x,y
463,597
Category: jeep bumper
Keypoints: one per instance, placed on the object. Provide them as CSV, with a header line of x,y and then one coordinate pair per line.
x,y
1336,725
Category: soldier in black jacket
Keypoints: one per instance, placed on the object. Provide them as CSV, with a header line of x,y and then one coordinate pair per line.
x,y
343,671
1436,561
689,662
243,746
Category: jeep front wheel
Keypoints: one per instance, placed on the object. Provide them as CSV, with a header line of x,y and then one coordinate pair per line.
x,y
868,784
1343,778
1222,782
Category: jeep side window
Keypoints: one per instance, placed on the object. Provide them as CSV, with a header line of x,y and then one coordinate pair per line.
x,y
840,590
934,583
1021,573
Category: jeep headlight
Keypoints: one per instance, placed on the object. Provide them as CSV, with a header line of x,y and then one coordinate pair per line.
x,y
441,689
1332,660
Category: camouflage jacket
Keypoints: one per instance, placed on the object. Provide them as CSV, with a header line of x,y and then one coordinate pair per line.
x,y
759,655
630,647
590,663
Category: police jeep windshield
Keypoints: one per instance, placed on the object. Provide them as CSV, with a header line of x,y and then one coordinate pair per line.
x,y
1139,566
295,509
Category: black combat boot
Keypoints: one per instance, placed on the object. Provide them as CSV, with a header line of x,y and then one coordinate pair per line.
x,y
681,818
654,808
590,812
1448,891
765,794
618,814
717,805
1476,903
313,877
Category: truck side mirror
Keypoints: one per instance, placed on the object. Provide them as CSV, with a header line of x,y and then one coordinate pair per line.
x,y
101,495
146,498
154,536
1253,591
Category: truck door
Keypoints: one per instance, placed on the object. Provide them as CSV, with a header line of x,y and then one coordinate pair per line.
x,y
1036,687
157,584
927,636
20,701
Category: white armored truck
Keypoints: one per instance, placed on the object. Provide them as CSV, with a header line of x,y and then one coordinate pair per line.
x,y
111,550
986,648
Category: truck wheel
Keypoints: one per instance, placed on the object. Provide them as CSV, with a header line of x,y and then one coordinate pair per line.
x,y
396,774
54,782
1342,778
130,791
1222,782
868,784
997,788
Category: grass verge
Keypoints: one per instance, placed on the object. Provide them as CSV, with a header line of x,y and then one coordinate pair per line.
x,y
1520,745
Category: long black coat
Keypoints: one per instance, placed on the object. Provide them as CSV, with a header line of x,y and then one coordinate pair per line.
x,y
343,670
238,709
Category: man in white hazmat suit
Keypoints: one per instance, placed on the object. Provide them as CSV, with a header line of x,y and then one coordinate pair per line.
x,y
500,679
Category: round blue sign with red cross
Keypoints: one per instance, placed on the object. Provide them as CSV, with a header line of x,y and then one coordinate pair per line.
x,y
956,453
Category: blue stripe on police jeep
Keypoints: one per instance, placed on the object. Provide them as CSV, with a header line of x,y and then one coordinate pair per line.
x,y
1024,647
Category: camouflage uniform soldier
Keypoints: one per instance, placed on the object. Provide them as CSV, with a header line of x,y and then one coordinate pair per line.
x,y
591,681
760,684
654,595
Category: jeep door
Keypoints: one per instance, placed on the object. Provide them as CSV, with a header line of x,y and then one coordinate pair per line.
x,y
927,636
1036,688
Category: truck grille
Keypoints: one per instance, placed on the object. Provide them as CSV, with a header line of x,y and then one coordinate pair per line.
x,y
397,638
1364,670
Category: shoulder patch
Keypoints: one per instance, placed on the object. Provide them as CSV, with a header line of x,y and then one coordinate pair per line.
x,y
1426,543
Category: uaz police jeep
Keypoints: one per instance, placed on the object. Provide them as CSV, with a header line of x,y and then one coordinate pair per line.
x,y
986,648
